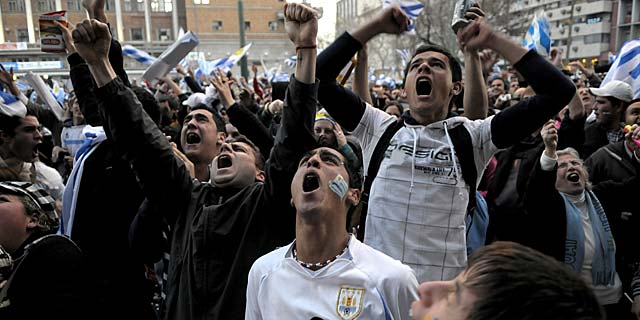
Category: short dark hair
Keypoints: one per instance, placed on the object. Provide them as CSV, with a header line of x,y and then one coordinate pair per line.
x,y
256,151
149,103
8,124
394,103
512,281
215,114
454,64
505,82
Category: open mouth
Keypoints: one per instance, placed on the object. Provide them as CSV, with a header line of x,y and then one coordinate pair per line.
x,y
573,177
311,182
224,161
193,138
423,87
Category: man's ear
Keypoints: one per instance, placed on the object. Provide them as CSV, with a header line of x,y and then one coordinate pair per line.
x,y
33,223
353,196
260,176
221,138
457,88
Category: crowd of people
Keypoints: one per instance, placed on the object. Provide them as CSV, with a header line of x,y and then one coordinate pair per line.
x,y
463,194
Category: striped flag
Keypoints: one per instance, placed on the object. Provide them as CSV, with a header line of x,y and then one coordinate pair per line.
x,y
405,55
137,54
227,63
626,67
291,61
411,7
10,105
537,36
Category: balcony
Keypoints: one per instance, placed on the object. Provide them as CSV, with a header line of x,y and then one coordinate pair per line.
x,y
587,8
582,29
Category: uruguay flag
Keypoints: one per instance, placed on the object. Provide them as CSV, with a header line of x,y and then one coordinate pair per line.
x,y
537,37
137,54
411,7
11,106
227,63
626,67
291,61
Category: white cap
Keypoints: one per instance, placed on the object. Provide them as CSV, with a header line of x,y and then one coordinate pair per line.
x,y
614,88
195,99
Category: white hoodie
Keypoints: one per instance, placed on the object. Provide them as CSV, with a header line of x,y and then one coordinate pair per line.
x,y
418,201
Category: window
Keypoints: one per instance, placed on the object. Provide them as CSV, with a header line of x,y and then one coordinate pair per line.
x,y
164,34
46,5
161,5
594,20
217,25
74,5
110,5
134,5
16,5
596,38
247,26
200,1
273,25
137,34
22,35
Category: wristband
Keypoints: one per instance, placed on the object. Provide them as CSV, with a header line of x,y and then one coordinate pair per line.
x,y
306,47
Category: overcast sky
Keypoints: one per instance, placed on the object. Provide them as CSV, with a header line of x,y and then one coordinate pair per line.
x,y
326,25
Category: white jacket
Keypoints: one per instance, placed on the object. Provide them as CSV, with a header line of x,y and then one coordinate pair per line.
x,y
363,283
418,201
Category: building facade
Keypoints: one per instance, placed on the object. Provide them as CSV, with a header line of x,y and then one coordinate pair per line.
x,y
581,28
628,22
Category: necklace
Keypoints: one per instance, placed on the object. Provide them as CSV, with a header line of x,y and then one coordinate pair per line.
x,y
317,265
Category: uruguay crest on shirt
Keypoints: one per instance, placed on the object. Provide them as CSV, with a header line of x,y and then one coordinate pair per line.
x,y
349,303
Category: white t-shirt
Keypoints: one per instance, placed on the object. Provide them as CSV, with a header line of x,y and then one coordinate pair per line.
x,y
418,201
362,283
72,138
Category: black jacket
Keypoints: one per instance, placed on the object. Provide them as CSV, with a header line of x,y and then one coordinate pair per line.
x,y
523,156
217,233
611,162
595,137
107,202
48,281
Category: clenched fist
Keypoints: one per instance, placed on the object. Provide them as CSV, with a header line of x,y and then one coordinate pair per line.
x,y
301,23
92,40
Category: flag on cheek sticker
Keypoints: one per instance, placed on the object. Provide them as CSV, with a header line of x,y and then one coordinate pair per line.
x,y
339,186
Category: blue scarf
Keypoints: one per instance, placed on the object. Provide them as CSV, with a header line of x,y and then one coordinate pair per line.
x,y
604,260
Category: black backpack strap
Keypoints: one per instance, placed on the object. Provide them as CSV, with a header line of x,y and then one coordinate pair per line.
x,y
372,171
463,147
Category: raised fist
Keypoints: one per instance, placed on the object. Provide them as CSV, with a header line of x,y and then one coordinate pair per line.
x,y
301,23
92,40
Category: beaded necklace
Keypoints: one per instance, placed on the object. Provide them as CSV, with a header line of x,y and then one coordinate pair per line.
x,y
317,265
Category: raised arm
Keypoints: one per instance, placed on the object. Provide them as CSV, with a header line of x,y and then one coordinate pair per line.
x,y
360,79
475,102
164,179
553,89
246,121
295,135
343,105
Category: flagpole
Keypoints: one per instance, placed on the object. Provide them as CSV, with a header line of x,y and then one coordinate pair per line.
x,y
244,70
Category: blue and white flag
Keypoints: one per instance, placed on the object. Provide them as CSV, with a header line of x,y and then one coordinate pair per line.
x,y
58,92
405,55
291,61
10,105
137,54
537,37
626,67
227,63
411,7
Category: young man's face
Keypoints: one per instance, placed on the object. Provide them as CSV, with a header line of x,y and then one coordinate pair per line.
x,y
325,136
235,166
27,137
200,138
498,86
429,85
632,114
606,113
444,300
311,188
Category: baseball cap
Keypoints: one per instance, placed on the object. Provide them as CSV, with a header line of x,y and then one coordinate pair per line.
x,y
614,88
195,99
